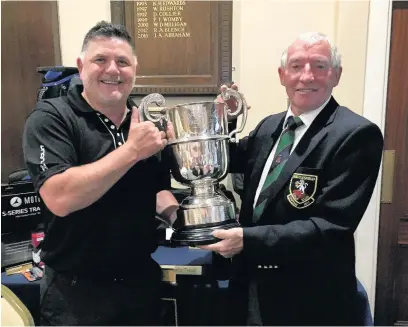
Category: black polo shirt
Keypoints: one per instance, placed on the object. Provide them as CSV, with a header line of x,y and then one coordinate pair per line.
x,y
115,233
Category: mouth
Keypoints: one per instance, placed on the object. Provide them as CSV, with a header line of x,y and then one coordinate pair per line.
x,y
306,90
110,82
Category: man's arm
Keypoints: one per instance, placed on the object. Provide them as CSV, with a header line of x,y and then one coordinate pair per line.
x,y
78,187
167,206
66,188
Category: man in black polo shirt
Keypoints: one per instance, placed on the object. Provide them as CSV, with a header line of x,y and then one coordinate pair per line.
x,y
95,167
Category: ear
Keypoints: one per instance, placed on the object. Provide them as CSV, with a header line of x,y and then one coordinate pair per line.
x,y
281,72
337,76
80,65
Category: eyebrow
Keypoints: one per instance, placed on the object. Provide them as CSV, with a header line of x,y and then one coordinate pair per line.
x,y
124,58
294,60
100,54
321,60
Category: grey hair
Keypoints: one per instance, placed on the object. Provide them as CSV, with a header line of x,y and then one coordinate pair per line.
x,y
312,38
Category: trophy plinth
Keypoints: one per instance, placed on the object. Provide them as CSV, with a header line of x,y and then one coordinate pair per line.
x,y
199,234
199,150
204,211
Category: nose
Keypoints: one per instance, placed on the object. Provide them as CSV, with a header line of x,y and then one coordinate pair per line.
x,y
112,68
307,74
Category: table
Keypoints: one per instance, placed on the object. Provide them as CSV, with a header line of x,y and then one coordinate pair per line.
x,y
200,299
27,292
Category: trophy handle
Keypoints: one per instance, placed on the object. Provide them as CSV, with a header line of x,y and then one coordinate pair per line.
x,y
242,108
144,113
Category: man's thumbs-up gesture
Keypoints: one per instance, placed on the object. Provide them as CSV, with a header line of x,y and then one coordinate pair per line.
x,y
144,138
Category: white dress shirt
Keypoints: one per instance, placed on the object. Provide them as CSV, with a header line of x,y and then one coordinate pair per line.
x,y
307,118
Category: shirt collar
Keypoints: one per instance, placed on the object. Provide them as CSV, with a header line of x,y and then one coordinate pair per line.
x,y
307,117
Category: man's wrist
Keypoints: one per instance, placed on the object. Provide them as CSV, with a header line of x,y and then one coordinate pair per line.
x,y
132,153
170,213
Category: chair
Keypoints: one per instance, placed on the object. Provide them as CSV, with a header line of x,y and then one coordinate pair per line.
x,y
13,311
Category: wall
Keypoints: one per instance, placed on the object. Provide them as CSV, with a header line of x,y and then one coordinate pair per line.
x,y
76,18
261,31
267,27
21,24
374,108
256,48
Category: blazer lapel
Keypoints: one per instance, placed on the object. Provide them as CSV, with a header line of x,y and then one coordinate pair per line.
x,y
276,127
313,136
263,155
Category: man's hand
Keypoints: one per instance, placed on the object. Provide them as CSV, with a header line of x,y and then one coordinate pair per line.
x,y
144,138
231,102
232,242
170,134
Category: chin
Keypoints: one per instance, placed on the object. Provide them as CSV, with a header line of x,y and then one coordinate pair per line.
x,y
112,100
114,96
305,106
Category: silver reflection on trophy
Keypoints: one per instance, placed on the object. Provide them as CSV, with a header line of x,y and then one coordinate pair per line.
x,y
199,149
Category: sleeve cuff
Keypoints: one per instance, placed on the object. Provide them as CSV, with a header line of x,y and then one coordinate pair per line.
x,y
39,180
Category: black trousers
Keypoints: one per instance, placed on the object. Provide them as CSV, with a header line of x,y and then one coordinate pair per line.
x,y
72,300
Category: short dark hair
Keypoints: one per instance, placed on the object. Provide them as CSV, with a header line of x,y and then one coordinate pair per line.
x,y
106,29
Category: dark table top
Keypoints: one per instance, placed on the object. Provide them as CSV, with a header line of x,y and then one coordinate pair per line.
x,y
29,292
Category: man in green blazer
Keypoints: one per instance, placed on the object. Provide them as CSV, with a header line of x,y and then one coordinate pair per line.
x,y
309,173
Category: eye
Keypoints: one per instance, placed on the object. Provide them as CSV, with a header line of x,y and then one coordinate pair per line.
x,y
321,65
99,60
123,63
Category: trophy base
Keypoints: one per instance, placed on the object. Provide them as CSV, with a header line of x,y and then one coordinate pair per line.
x,y
200,234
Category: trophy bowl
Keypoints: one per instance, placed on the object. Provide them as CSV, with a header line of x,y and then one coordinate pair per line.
x,y
199,160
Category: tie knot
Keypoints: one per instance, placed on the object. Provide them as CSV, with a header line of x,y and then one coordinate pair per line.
x,y
293,123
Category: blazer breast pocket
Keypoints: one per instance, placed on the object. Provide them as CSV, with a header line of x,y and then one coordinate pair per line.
x,y
303,188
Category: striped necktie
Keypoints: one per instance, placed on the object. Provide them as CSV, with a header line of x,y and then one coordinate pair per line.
x,y
281,157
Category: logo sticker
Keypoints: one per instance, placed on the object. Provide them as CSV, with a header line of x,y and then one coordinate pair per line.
x,y
16,201
302,188
43,166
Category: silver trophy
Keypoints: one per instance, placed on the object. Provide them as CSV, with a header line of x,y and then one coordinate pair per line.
x,y
200,157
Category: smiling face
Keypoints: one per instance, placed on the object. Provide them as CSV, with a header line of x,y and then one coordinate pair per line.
x,y
107,70
308,76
